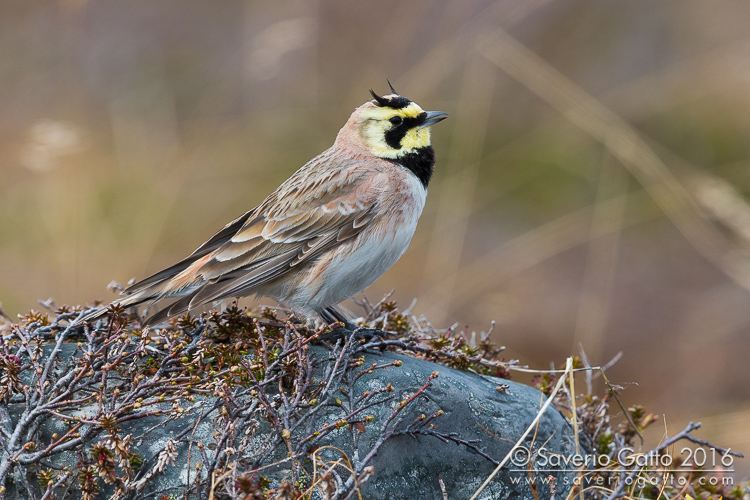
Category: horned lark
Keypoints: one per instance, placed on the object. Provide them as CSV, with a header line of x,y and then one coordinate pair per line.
x,y
329,231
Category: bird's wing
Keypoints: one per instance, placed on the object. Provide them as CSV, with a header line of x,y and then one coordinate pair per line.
x,y
306,216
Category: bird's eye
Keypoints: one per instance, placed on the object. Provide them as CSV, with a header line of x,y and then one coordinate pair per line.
x,y
396,120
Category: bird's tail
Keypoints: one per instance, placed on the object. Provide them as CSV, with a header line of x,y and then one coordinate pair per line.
x,y
131,300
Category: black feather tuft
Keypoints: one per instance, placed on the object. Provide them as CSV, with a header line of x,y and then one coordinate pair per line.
x,y
398,102
381,101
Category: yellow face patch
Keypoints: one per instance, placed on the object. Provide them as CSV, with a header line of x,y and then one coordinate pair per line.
x,y
416,138
376,123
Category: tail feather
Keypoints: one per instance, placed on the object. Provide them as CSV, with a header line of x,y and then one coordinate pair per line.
x,y
96,314
209,246
160,285
132,300
181,306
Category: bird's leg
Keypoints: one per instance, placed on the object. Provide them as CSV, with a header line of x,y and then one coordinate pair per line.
x,y
332,312
332,315
326,316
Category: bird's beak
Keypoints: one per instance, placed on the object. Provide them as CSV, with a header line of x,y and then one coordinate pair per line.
x,y
433,117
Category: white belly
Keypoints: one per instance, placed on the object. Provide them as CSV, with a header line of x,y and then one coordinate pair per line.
x,y
349,274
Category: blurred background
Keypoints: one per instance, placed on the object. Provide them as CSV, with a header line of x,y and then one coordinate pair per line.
x,y
591,189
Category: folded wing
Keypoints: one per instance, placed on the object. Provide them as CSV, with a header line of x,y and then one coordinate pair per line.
x,y
290,229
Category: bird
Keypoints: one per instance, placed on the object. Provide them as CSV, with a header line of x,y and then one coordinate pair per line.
x,y
324,235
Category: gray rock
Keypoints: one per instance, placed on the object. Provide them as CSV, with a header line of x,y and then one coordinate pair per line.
x,y
409,467
478,426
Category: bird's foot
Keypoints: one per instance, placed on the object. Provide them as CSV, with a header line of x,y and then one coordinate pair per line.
x,y
346,329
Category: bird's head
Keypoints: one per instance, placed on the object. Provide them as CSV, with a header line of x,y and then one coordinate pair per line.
x,y
393,126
